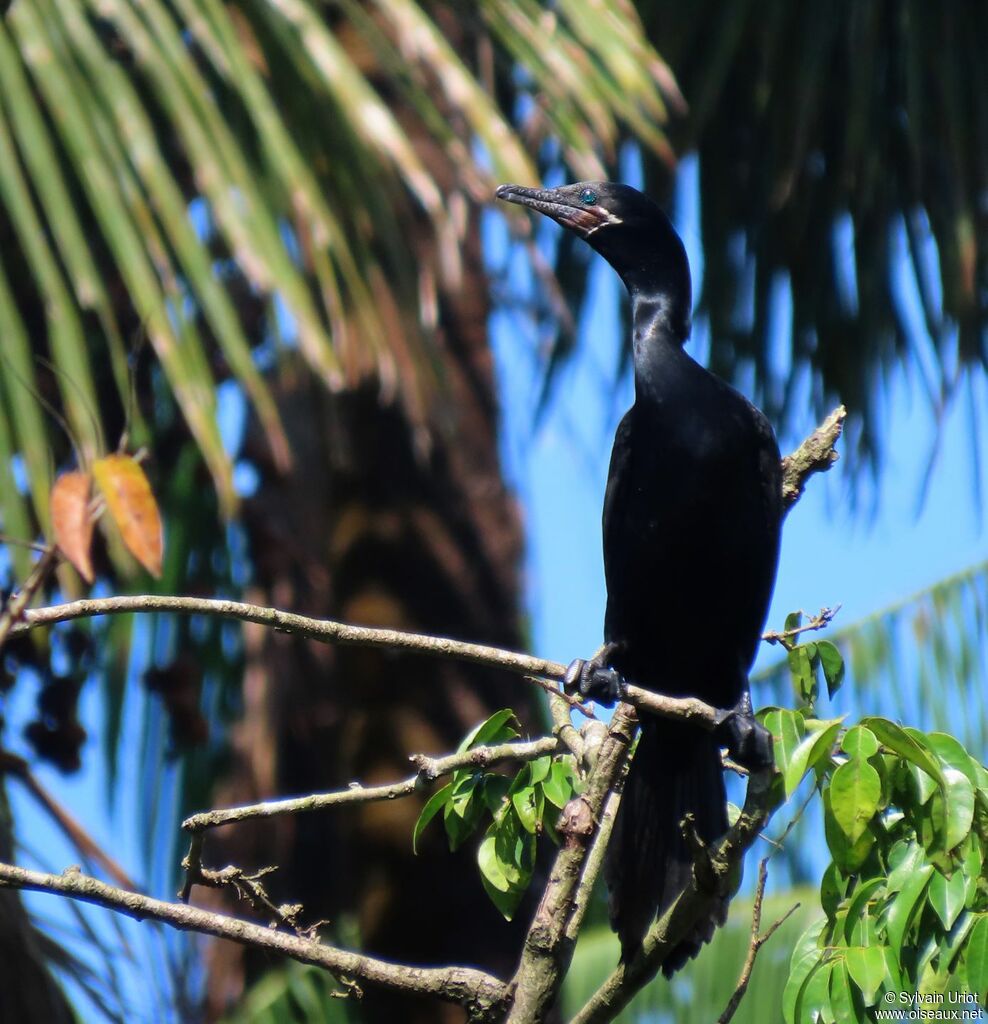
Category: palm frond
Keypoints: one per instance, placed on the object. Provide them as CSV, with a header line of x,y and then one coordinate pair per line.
x,y
921,661
841,154
272,123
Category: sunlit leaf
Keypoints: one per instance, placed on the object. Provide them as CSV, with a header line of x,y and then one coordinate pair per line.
x,y
71,520
866,965
855,792
946,896
905,906
131,503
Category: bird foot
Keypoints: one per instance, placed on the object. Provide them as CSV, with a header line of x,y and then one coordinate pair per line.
x,y
593,680
748,741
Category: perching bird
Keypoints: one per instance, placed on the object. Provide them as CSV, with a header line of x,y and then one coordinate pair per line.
x,y
691,523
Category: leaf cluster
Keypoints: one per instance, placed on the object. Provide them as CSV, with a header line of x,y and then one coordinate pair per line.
x,y
517,810
905,896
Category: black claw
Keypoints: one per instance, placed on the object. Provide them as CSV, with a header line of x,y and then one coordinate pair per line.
x,y
573,675
593,680
747,740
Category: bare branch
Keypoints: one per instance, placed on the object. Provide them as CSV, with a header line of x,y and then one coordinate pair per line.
x,y
757,941
550,940
428,770
482,994
321,630
331,631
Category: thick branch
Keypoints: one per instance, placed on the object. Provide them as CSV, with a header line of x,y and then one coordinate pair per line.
x,y
695,903
550,940
482,994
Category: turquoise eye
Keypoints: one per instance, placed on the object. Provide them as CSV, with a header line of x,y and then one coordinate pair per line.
x,y
588,196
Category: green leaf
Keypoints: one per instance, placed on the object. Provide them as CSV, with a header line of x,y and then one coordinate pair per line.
x,y
866,965
814,999
432,807
976,958
464,808
951,751
893,973
959,807
903,859
863,893
895,738
524,804
805,956
925,786
972,866
847,856
489,862
946,896
955,939
515,849
815,745
832,663
859,741
842,998
793,621
540,768
855,792
904,907
558,785
786,728
496,729
804,682
833,885
495,790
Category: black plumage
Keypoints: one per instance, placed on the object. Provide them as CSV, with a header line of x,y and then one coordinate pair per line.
x,y
691,524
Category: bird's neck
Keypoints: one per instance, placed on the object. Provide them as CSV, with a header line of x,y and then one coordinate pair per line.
x,y
658,331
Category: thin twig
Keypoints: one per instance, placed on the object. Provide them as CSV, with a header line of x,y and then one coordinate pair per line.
x,y
428,769
483,993
757,941
820,621
553,690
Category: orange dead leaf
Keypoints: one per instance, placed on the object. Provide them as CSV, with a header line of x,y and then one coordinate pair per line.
x,y
131,503
72,522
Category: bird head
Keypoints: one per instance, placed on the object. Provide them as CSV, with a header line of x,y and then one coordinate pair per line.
x,y
630,231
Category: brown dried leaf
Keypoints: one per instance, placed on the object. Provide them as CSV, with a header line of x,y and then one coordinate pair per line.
x,y
72,522
131,503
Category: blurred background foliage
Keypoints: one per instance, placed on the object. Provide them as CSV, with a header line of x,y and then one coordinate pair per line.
x,y
245,236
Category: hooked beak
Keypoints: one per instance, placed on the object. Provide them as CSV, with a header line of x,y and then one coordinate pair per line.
x,y
554,203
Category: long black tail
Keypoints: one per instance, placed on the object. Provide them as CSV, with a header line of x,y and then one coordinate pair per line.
x,y
676,771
